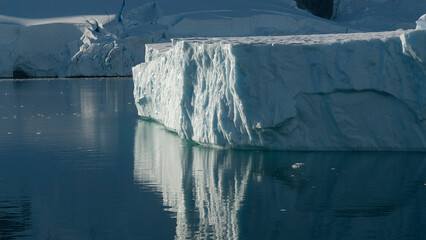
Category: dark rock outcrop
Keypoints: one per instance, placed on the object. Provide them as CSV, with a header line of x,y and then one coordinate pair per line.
x,y
320,8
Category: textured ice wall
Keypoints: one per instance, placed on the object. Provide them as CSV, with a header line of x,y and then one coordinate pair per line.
x,y
319,92
41,50
76,46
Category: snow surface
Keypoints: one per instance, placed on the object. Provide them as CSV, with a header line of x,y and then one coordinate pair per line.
x,y
361,91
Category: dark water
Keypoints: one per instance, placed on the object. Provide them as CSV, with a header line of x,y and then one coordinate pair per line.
x,y
77,163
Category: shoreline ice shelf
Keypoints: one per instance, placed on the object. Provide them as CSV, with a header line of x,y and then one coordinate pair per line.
x,y
361,91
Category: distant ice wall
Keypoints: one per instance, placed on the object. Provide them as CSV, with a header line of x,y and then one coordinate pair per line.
x,y
319,92
40,50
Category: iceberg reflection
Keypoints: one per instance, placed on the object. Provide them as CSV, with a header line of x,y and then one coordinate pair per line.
x,y
204,188
228,194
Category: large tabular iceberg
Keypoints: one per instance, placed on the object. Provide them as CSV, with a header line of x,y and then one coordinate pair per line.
x,y
362,91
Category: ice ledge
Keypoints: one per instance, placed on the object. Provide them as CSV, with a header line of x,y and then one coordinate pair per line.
x,y
317,92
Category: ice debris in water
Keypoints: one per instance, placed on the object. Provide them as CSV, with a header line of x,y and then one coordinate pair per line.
x,y
297,165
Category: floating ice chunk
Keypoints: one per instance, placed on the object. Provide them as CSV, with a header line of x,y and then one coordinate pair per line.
x,y
297,165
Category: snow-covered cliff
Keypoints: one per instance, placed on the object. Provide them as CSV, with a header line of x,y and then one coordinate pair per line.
x,y
363,91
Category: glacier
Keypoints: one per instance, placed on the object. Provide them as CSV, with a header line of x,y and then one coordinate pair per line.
x,y
109,45
358,91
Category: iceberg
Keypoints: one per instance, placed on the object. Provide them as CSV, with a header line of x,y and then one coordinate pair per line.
x,y
359,91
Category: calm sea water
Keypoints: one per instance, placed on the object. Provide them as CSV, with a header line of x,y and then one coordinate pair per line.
x,y
77,163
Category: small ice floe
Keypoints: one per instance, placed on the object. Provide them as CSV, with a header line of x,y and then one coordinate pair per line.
x,y
6,93
38,133
332,169
283,210
297,165
9,133
314,187
21,106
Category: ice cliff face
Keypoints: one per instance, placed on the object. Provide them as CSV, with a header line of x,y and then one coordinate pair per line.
x,y
361,91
